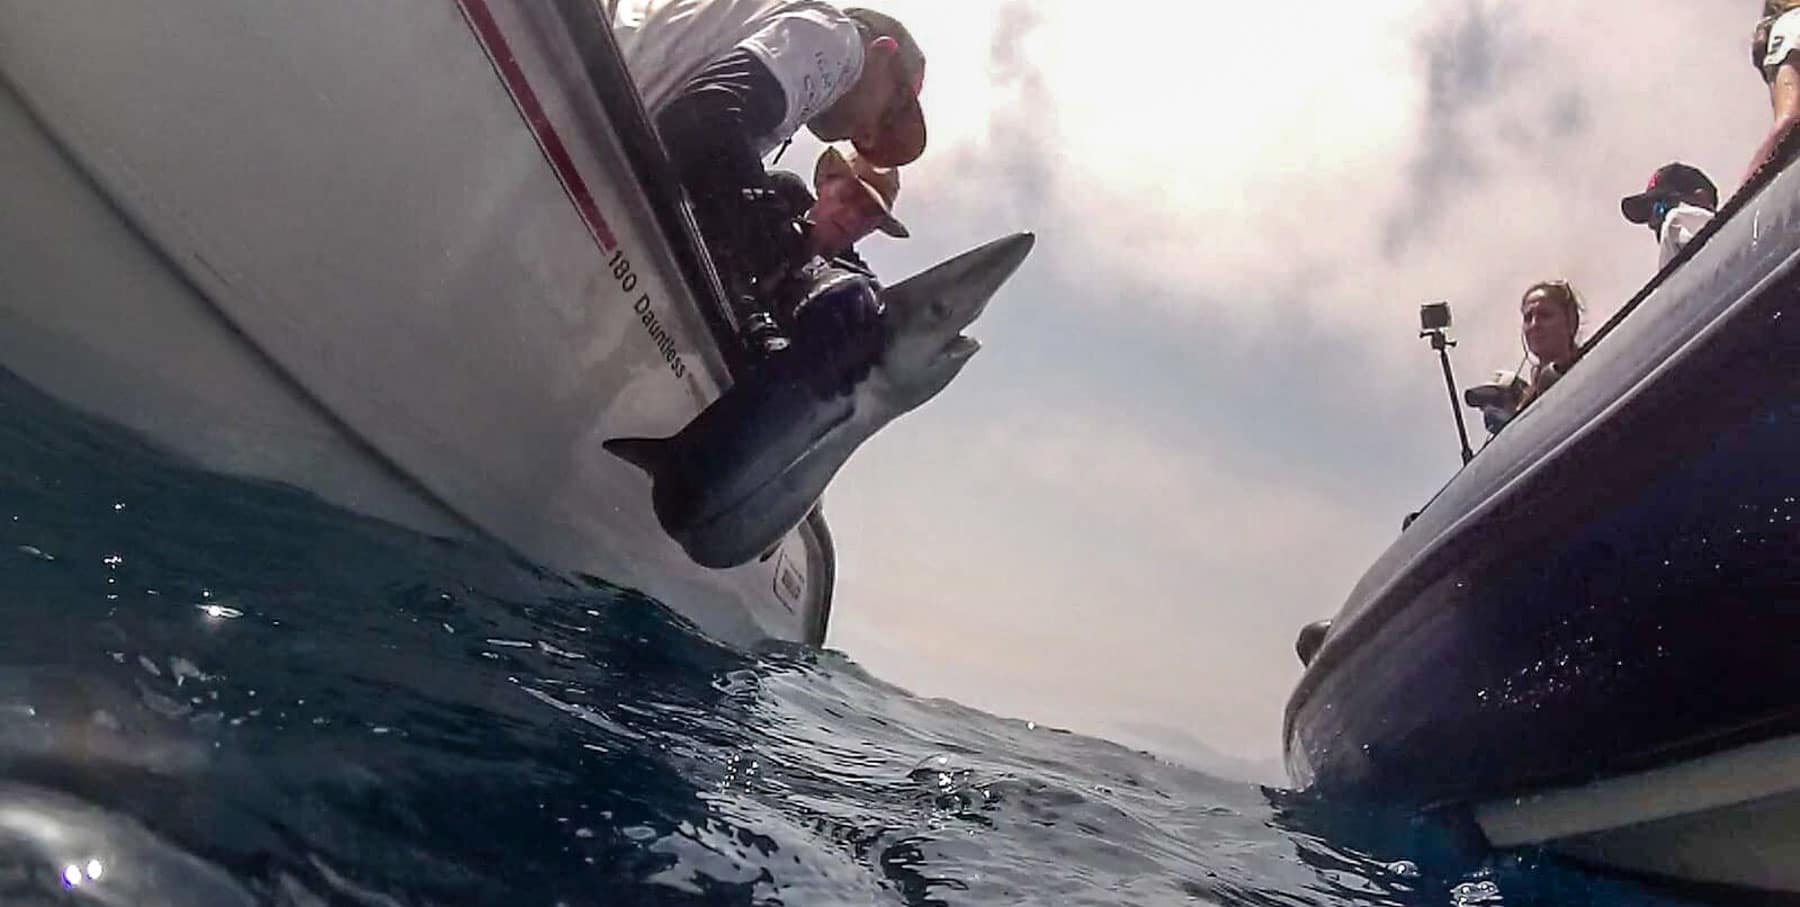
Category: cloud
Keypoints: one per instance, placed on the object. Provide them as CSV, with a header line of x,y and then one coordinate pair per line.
x,y
1203,407
1466,59
1029,111
1318,155
1070,556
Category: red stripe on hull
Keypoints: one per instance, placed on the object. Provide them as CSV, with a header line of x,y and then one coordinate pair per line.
x,y
493,41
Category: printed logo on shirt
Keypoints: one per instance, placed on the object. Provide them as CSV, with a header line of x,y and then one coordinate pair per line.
x,y
813,57
821,85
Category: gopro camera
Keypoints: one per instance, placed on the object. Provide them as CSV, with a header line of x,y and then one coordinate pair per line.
x,y
1434,316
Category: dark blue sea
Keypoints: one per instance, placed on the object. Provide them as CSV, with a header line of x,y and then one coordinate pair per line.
x,y
221,692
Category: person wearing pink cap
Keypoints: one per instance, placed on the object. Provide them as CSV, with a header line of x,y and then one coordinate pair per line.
x,y
727,81
846,74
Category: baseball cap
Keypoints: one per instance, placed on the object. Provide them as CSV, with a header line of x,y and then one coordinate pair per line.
x,y
1669,180
903,133
883,184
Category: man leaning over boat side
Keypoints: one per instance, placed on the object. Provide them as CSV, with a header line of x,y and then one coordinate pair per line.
x,y
727,81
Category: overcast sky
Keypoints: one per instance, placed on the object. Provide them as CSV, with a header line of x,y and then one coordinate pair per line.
x,y
1202,407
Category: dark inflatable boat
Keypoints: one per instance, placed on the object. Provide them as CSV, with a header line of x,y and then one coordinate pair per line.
x,y
1590,638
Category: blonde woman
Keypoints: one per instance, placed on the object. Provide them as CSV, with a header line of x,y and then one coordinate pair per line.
x,y
1550,315
1773,49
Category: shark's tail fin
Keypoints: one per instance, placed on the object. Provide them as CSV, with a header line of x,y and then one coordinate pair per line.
x,y
644,453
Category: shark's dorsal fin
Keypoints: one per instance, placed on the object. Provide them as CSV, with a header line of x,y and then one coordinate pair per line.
x,y
646,454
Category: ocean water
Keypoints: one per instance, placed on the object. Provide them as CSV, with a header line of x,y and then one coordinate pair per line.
x,y
222,692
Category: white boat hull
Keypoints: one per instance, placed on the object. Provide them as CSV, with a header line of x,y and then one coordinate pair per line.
x,y
1726,819
326,243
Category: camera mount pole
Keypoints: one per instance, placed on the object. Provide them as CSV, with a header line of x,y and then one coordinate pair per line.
x,y
1442,343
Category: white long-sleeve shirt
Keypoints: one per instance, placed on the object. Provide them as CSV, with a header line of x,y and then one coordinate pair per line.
x,y
812,48
1679,228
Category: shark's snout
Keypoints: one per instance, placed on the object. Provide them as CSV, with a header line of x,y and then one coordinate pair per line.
x,y
961,347
950,296
992,265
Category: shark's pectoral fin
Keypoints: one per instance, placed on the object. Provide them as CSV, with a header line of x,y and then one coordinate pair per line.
x,y
647,454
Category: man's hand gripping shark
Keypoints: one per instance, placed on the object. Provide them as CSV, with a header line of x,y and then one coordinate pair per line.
x,y
750,466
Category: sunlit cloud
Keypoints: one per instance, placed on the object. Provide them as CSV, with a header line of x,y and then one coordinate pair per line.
x,y
1203,406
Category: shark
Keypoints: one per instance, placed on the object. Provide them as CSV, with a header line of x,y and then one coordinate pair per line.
x,y
745,471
